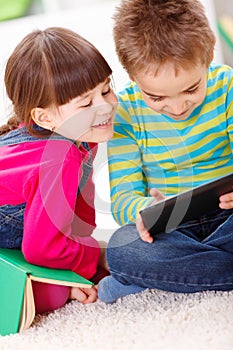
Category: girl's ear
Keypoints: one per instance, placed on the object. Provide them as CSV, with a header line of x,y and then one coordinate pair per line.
x,y
41,118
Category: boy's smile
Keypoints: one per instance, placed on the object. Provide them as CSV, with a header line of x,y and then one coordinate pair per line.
x,y
173,93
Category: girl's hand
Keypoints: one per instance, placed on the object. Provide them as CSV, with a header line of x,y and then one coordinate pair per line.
x,y
84,295
144,234
226,201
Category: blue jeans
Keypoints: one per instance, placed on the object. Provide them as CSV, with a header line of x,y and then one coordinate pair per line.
x,y
197,256
11,226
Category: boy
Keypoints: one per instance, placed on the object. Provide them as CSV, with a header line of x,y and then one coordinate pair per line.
x,y
173,131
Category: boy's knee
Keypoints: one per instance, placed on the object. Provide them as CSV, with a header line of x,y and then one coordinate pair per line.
x,y
124,236
122,245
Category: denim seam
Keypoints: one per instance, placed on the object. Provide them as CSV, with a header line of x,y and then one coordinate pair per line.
x,y
170,282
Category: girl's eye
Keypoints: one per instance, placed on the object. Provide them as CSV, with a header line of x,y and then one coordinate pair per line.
x,y
190,92
104,93
87,105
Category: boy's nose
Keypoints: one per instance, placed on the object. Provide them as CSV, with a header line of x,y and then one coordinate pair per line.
x,y
177,107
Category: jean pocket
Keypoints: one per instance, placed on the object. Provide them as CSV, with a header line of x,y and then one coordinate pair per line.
x,y
11,226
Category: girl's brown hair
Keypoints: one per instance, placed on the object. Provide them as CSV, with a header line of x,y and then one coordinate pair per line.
x,y
50,66
152,32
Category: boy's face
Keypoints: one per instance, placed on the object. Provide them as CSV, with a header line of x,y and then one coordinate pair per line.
x,y
175,94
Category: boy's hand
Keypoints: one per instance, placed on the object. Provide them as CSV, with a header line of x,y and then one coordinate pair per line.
x,y
158,196
144,234
226,201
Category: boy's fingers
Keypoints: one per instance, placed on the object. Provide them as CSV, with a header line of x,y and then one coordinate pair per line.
x,y
158,196
143,233
146,237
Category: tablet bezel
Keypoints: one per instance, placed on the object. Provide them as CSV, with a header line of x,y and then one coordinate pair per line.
x,y
169,213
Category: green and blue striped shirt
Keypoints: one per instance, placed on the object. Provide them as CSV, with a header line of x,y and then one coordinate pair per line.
x,y
152,150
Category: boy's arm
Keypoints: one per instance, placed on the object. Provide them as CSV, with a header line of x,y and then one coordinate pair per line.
x,y
226,200
229,108
127,181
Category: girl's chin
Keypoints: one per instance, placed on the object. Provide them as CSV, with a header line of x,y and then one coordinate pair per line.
x,y
97,137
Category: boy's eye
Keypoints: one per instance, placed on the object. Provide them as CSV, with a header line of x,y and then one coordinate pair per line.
x,y
190,92
156,99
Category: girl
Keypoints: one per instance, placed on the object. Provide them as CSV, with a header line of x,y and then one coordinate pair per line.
x,y
64,105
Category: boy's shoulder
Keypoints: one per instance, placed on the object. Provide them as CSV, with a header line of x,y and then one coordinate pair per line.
x,y
129,92
217,70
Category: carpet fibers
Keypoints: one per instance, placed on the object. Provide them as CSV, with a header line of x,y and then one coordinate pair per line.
x,y
149,320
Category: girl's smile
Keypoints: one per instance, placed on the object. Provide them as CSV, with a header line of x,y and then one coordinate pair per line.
x,y
86,118
104,124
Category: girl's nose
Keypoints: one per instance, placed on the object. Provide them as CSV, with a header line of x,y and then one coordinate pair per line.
x,y
104,106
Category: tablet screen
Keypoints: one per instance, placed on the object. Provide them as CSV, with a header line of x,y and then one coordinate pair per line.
x,y
166,215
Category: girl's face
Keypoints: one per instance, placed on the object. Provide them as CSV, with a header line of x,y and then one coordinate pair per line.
x,y
87,118
174,94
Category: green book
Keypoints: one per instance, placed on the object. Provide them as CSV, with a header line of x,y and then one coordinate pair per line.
x,y
17,307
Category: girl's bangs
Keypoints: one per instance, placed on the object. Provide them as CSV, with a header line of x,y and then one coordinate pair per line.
x,y
79,76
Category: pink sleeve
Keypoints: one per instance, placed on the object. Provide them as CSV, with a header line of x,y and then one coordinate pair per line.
x,y
84,221
51,200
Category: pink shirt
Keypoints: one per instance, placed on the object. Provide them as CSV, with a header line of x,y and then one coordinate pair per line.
x,y
57,225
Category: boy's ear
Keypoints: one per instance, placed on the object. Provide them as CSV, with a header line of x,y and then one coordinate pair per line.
x,y
41,118
212,56
131,77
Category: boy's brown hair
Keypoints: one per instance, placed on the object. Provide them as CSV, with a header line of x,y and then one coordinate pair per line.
x,y
152,32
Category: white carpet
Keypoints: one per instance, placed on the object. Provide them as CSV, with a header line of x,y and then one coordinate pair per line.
x,y
151,320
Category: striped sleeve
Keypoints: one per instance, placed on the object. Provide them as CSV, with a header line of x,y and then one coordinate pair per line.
x,y
128,186
229,107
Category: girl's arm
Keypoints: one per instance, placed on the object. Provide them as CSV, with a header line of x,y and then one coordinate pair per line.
x,y
51,199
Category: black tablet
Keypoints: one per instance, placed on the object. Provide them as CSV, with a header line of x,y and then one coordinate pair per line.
x,y
167,214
